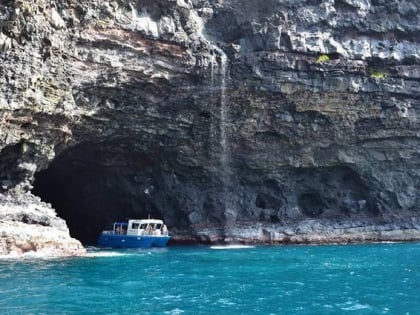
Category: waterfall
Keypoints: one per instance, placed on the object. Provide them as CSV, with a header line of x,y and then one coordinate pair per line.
x,y
224,156
212,62
219,91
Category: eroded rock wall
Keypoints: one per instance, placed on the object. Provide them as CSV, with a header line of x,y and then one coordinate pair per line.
x,y
262,121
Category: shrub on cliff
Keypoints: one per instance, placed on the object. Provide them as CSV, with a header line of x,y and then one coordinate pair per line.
x,y
377,73
322,58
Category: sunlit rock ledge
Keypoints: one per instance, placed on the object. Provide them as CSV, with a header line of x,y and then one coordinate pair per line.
x,y
24,240
210,114
306,232
32,229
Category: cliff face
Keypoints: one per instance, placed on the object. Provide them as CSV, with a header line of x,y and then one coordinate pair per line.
x,y
232,120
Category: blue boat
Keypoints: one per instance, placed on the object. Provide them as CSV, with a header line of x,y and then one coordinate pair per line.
x,y
135,234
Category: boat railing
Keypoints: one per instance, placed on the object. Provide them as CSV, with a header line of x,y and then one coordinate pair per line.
x,y
155,232
114,232
148,232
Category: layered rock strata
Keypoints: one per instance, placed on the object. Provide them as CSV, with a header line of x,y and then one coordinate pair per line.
x,y
251,121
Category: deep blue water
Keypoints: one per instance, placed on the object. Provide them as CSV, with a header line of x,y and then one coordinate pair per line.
x,y
352,279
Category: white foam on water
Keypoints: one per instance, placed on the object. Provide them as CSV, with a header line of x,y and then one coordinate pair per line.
x,y
225,301
108,254
232,246
97,252
175,311
355,307
29,255
33,255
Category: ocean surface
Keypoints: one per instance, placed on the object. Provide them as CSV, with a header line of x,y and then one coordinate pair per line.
x,y
334,279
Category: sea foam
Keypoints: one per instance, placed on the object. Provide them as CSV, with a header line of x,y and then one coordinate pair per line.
x,y
232,246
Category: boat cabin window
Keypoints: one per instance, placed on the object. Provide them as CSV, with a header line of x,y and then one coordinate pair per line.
x,y
135,225
143,226
158,226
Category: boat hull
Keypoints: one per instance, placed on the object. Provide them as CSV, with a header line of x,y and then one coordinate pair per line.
x,y
132,241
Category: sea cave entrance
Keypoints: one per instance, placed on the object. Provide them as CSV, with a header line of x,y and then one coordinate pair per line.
x,y
91,185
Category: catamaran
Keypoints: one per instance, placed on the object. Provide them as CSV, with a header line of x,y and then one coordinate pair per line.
x,y
135,234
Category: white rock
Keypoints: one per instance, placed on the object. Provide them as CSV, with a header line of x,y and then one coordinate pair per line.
x,y
166,25
184,4
56,20
5,43
363,6
144,23
31,167
195,23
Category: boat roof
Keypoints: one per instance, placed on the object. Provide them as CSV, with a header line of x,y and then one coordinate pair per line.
x,y
141,221
146,221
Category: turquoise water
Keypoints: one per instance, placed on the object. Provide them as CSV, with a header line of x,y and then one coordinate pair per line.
x,y
352,279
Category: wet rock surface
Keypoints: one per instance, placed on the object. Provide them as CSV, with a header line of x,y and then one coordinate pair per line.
x,y
251,121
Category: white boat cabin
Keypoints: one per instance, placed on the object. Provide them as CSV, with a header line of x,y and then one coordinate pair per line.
x,y
146,227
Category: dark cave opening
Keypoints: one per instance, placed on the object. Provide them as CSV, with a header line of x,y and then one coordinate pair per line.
x,y
91,186
311,204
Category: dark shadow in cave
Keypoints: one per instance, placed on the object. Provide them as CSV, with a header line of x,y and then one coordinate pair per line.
x,y
90,186
10,174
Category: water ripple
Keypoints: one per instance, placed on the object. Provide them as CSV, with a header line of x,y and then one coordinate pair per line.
x,y
363,279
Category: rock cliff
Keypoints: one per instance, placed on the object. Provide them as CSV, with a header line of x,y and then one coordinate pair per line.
x,y
251,121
